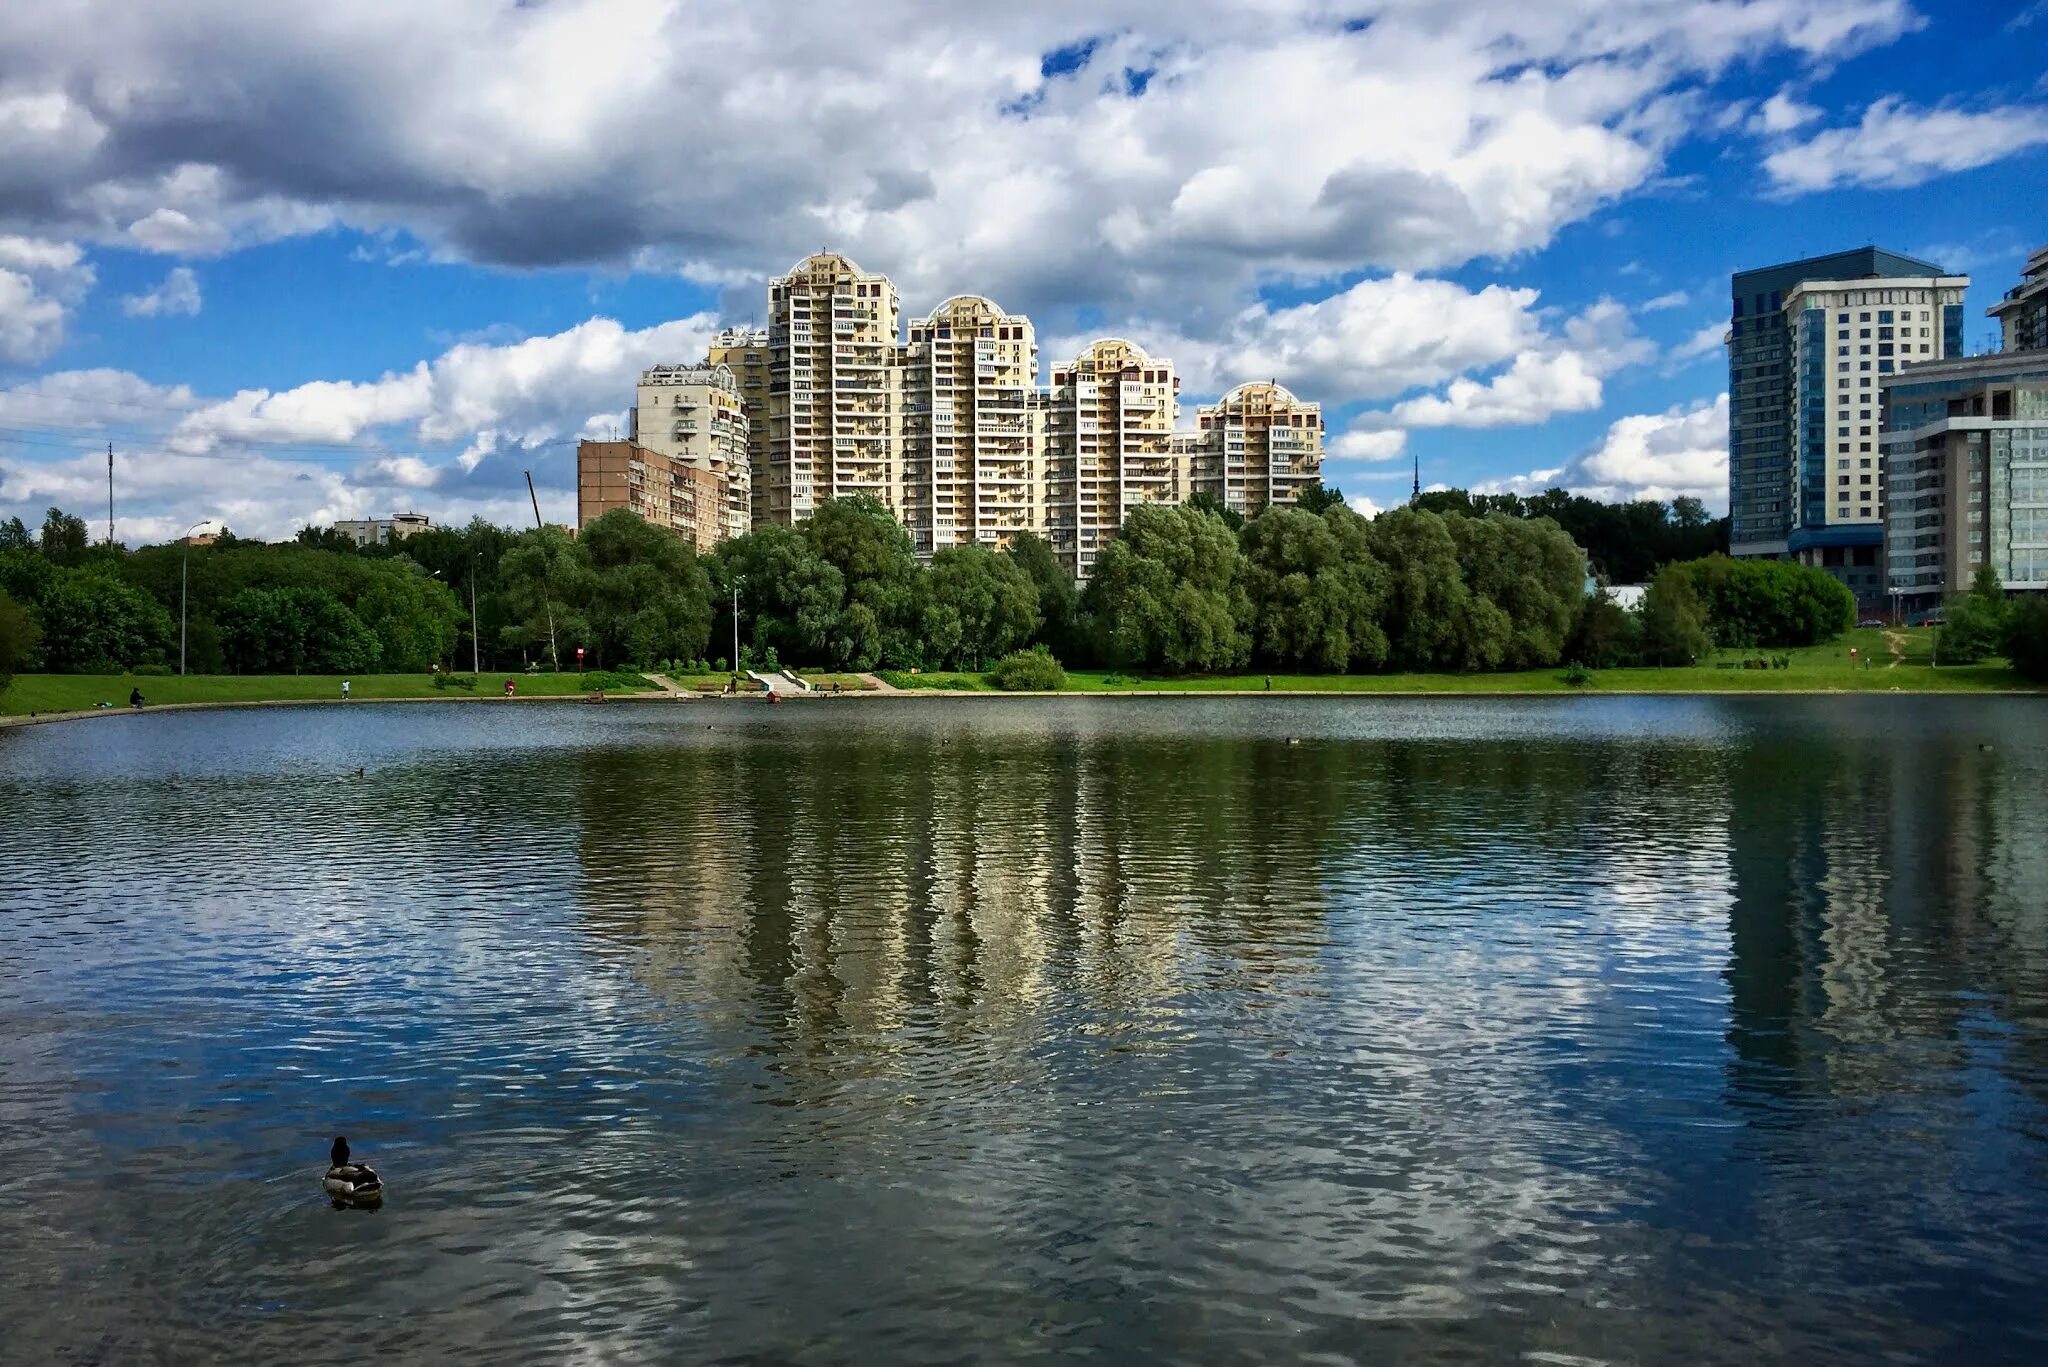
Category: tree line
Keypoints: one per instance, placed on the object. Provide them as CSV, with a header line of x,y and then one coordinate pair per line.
x,y
1452,583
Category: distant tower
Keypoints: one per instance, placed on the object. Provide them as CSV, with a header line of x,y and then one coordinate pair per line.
x,y
1415,495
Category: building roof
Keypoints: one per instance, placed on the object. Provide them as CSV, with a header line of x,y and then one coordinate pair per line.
x,y
1857,264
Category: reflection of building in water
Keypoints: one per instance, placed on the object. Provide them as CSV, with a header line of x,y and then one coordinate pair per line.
x,y
1879,890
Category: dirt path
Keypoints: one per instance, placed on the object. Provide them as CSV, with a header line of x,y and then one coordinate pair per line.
x,y
1896,639
877,685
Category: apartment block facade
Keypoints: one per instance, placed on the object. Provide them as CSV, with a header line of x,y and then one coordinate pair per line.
x,y
2023,314
1255,447
1109,446
671,493
970,427
1966,442
832,420
1809,343
382,531
744,351
696,415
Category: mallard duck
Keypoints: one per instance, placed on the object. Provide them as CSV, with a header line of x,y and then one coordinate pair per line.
x,y
346,1181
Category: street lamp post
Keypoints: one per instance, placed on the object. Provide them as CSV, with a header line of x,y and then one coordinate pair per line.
x,y
737,581
184,591
475,667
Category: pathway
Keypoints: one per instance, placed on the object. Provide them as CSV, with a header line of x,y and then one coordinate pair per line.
x,y
668,686
875,684
1896,639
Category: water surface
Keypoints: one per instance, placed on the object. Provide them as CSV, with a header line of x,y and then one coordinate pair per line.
x,y
1617,1029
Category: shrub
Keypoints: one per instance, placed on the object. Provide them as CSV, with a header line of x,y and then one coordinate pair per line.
x,y
157,671
2026,637
1028,671
722,666
447,681
1577,675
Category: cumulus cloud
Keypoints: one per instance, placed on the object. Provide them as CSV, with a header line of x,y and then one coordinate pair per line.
x,y
40,283
1559,373
177,293
1710,340
931,137
1897,145
1682,451
1359,443
1782,113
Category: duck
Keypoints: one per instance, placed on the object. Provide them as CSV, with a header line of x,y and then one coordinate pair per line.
x,y
350,1183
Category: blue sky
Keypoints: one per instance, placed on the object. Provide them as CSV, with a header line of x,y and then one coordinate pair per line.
x,y
303,267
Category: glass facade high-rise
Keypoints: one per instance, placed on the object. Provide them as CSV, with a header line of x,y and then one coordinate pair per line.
x,y
1809,342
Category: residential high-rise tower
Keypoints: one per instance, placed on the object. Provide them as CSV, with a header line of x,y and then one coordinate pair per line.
x,y
696,415
1258,445
1109,419
832,431
971,452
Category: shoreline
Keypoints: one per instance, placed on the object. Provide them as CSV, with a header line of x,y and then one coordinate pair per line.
x,y
1359,694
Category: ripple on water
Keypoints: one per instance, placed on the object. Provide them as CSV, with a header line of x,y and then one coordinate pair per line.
x,y
1594,1029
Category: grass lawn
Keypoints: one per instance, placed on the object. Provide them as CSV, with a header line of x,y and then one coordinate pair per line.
x,y
80,692
1813,668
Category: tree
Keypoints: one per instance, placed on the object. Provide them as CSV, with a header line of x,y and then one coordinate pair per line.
x,y
789,597
294,631
648,598
326,539
878,617
1433,620
18,639
1674,621
1028,671
977,605
93,623
1604,635
1059,598
1165,595
541,572
1976,620
14,536
1216,507
2026,637
1317,497
64,540
1315,588
1529,570
1770,603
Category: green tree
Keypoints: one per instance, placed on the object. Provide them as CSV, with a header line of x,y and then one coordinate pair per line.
x,y
294,631
1770,603
977,605
1604,635
649,599
18,639
878,620
1165,595
1060,627
789,597
1674,621
1216,507
1433,620
2026,637
1317,497
543,573
326,539
92,623
64,540
1028,671
14,536
1315,589
1529,570
1976,620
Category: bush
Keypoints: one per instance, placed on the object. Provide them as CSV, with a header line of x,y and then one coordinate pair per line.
x,y
157,671
721,666
2026,637
448,681
1028,671
1577,675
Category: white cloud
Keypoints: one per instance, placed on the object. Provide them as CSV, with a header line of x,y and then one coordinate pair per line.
x,y
1558,374
40,283
1782,113
1896,145
1364,506
917,133
178,293
1676,299
1383,443
1710,340
1682,451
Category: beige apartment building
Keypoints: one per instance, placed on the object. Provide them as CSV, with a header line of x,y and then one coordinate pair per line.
x,y
1257,446
1109,446
971,449
744,351
832,421
696,415
676,494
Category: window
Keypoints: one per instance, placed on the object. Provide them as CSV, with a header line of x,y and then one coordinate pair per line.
x,y
1865,463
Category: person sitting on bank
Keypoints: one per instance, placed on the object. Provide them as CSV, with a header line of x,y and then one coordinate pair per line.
x,y
135,698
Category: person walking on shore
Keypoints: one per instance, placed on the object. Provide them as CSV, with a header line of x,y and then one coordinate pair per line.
x,y
1269,683
344,690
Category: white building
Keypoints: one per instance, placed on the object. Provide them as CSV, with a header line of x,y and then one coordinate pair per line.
x,y
971,443
382,531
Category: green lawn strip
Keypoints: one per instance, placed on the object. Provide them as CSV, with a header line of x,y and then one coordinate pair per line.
x,y
81,692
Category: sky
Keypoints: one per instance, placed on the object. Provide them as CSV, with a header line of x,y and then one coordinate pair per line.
x,y
302,263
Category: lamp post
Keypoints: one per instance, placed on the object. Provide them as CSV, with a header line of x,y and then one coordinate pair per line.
x,y
476,668
737,581
184,590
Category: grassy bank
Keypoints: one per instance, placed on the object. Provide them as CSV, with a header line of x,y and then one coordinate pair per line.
x,y
1900,660
81,692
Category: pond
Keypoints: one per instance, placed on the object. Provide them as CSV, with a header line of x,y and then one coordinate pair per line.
x,y
943,1028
